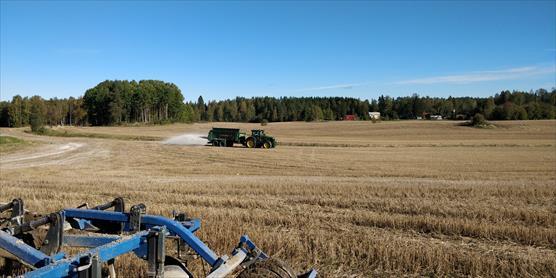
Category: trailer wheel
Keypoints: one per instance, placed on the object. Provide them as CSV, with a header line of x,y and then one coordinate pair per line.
x,y
272,268
250,143
229,143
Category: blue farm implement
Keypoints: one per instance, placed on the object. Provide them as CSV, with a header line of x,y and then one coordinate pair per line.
x,y
105,232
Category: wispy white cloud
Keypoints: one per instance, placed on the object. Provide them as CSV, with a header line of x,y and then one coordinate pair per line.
x,y
464,78
481,76
330,87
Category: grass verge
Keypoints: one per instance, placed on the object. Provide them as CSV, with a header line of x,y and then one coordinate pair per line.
x,y
66,133
9,144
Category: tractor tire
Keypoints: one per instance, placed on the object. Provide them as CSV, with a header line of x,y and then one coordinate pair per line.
x,y
271,268
267,145
250,143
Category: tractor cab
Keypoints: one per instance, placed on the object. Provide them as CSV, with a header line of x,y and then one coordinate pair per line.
x,y
257,132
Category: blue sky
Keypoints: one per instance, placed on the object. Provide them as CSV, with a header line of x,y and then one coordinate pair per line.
x,y
227,49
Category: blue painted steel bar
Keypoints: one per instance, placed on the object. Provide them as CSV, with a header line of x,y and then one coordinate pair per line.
x,y
251,245
122,246
193,225
24,252
64,268
58,256
88,241
97,214
175,227
245,239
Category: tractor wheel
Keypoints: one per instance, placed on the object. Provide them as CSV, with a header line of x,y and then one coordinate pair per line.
x,y
266,145
250,143
271,268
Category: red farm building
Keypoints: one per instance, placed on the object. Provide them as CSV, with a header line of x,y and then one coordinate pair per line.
x,y
350,118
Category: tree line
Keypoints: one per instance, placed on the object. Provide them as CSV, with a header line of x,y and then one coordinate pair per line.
x,y
115,102
282,109
54,111
146,101
506,105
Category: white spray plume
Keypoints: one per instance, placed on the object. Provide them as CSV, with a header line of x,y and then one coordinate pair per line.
x,y
188,139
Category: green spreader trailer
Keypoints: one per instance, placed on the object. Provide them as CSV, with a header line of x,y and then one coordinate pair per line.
x,y
227,137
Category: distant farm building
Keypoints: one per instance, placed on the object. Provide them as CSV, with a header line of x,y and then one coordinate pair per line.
x,y
350,118
374,115
429,116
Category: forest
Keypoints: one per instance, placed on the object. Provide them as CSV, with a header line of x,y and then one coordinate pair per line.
x,y
116,102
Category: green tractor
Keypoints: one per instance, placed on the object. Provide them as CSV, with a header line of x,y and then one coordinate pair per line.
x,y
227,137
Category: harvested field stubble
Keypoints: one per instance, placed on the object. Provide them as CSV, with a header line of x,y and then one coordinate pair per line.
x,y
387,199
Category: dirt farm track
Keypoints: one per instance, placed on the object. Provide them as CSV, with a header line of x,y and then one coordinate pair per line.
x,y
352,199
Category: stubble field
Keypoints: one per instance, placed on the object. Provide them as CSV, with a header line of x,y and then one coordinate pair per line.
x,y
353,199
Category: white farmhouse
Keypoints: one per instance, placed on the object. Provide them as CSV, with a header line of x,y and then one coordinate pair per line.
x,y
374,115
